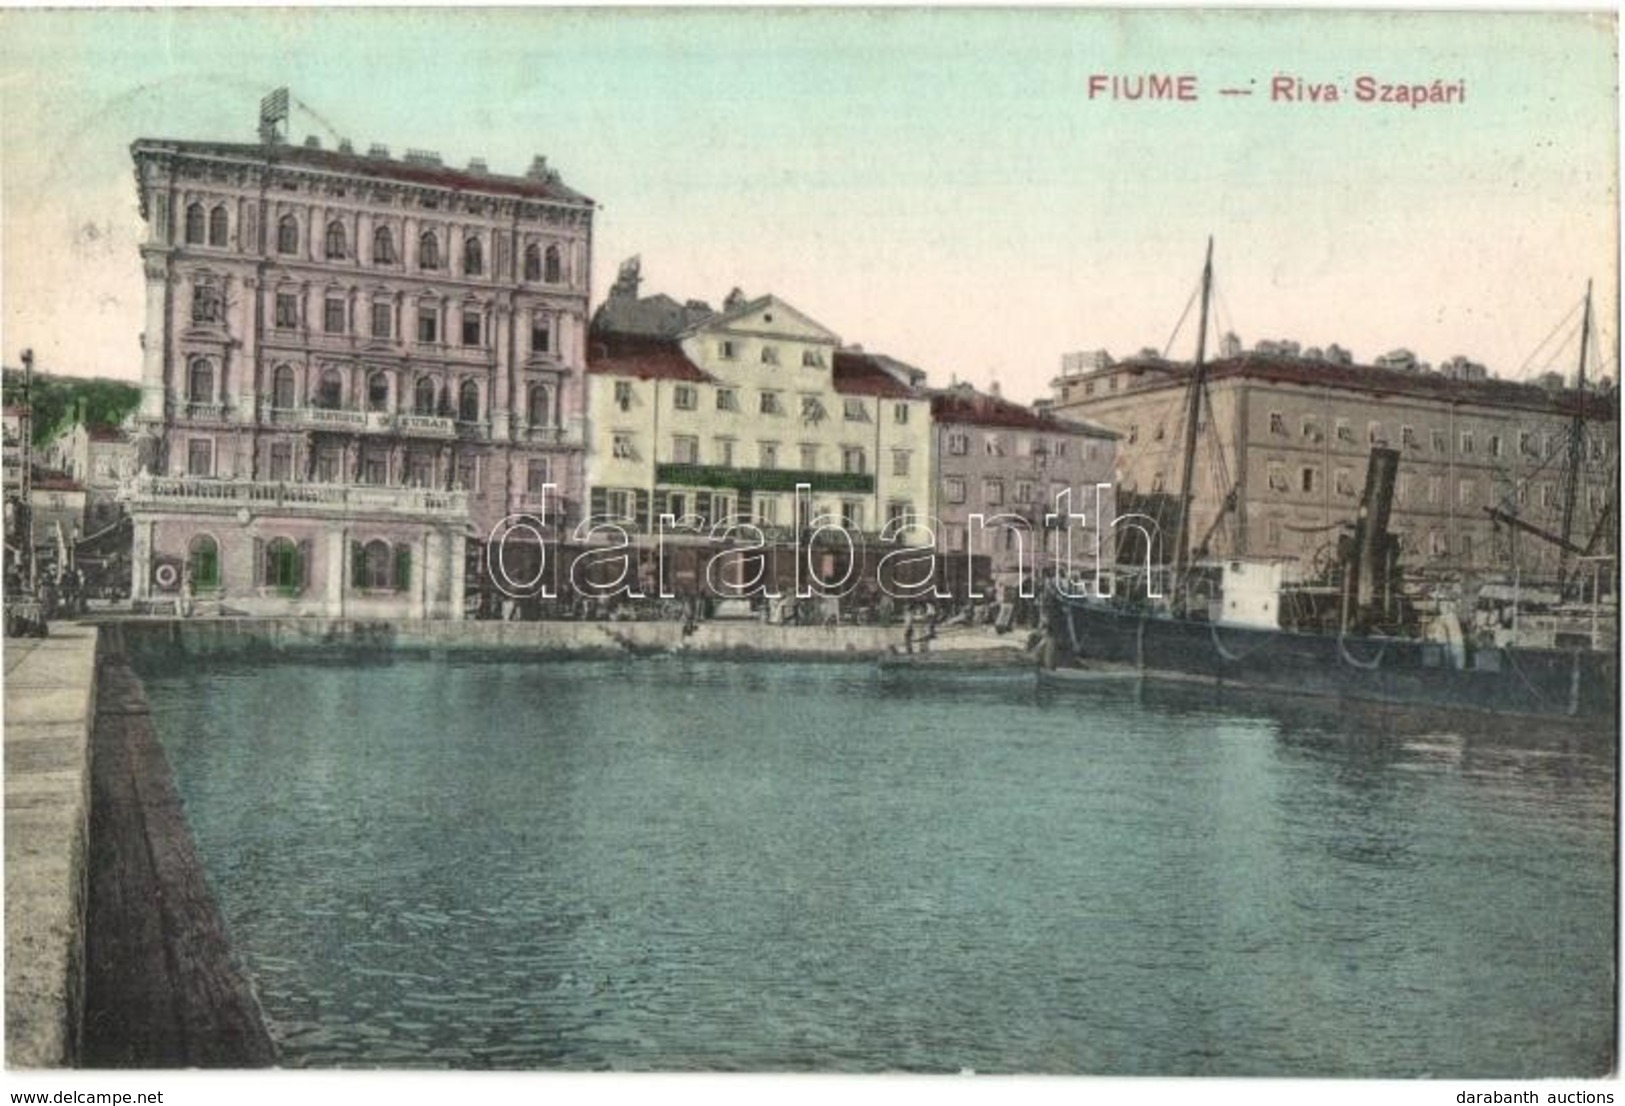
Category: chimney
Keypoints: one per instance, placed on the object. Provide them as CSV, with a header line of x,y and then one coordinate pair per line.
x,y
346,146
312,142
477,166
378,150
538,168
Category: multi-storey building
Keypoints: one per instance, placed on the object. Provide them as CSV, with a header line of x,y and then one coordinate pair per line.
x,y
712,414
352,362
1284,442
1009,480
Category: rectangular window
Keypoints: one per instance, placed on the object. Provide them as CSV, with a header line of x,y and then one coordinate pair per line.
x,y
333,315
897,515
1133,432
287,310
1435,488
468,473
899,413
853,460
899,462
200,457
1343,481
768,455
1024,491
623,394
727,399
420,470
1311,430
381,317
953,488
1526,443
428,325
685,449
374,468
1440,444
771,405
770,355
1466,441
766,509
538,473
994,445
854,410
1373,433
684,397
620,504
1495,445
471,328
724,451
281,461
993,492
1277,424
1407,437
329,465
541,336
1464,492
956,538
809,457
621,448
811,359
958,443
1277,477
852,514
1306,481
726,351
1345,432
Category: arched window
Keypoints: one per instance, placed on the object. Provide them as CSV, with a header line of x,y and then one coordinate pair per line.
x,y
283,567
200,381
428,251
423,396
552,275
468,402
330,390
203,562
383,247
283,392
473,257
533,262
287,235
335,240
378,392
194,224
376,557
540,408
217,225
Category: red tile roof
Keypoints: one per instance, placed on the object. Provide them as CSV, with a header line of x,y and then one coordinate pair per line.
x,y
972,408
381,168
643,358
859,374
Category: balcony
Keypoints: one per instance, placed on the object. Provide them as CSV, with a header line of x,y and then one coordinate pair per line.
x,y
204,412
193,494
363,422
547,435
764,480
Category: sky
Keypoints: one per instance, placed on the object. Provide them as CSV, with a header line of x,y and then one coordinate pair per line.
x,y
938,184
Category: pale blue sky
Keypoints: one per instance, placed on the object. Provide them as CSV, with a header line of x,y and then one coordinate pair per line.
x,y
936,184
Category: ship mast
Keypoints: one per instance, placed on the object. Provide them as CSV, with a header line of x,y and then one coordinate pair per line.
x,y
1193,412
1577,432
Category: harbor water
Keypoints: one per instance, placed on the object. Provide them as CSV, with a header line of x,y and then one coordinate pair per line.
x,y
680,864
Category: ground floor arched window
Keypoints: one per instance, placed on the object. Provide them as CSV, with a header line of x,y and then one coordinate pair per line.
x,y
379,566
283,566
203,562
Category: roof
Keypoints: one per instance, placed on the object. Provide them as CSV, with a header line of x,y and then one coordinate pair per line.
x,y
864,374
965,406
547,187
643,358
1381,381
657,316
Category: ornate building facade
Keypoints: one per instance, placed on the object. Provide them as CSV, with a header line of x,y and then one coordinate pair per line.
x,y
334,338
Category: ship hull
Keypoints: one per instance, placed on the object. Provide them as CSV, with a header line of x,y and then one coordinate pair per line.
x,y
1543,683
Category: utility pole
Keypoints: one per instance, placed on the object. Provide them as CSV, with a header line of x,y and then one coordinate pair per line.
x,y
25,511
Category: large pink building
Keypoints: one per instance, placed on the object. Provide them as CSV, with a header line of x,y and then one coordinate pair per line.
x,y
354,365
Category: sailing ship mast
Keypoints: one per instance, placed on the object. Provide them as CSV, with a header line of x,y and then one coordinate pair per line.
x,y
1577,432
1193,411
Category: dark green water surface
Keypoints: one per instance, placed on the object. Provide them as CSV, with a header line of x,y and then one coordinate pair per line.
x,y
678,864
